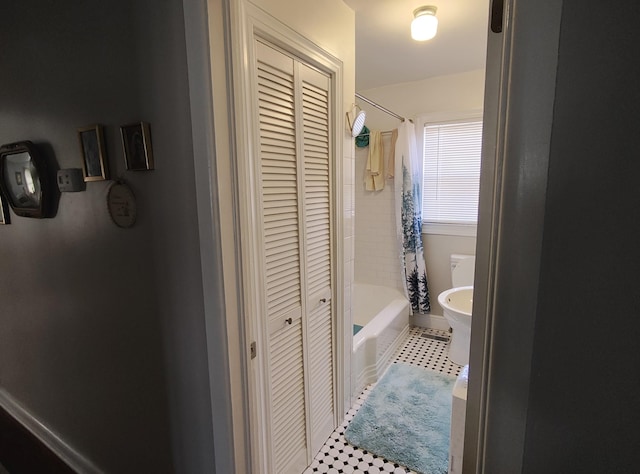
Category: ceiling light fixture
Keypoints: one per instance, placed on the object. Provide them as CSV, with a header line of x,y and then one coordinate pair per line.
x,y
425,23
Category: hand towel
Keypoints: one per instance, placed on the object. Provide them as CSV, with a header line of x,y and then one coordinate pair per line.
x,y
374,174
362,140
391,165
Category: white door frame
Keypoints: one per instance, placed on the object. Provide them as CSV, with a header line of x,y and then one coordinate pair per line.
x,y
247,21
488,421
207,59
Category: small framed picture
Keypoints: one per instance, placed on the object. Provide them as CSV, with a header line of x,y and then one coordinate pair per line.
x,y
136,141
4,211
94,163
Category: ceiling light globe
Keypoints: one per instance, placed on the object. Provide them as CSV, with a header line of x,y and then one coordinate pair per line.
x,y
425,24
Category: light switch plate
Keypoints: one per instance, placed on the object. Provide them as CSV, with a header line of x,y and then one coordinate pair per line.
x,y
71,180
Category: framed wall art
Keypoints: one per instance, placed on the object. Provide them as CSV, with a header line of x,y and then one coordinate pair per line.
x,y
94,156
121,203
136,142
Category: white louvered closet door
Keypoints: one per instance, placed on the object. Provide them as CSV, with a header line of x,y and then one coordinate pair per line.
x,y
317,246
293,104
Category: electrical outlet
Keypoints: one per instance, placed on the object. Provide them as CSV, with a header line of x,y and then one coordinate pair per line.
x,y
71,180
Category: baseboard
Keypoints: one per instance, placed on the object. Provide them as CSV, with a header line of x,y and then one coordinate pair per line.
x,y
42,434
431,321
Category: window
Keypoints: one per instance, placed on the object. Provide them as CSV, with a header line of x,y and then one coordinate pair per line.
x,y
451,173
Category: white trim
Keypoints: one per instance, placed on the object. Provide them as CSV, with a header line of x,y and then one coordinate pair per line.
x,y
247,21
449,116
518,117
55,443
208,44
246,215
465,230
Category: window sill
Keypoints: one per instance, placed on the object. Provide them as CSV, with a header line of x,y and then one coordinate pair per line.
x,y
449,229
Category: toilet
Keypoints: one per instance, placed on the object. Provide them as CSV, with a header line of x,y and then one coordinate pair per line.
x,y
457,304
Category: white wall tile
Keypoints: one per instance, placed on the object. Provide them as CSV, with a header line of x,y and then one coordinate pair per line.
x,y
348,249
375,244
348,197
349,222
348,170
347,298
348,270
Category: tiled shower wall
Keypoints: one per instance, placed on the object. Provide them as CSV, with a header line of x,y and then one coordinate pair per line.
x,y
349,222
348,206
376,252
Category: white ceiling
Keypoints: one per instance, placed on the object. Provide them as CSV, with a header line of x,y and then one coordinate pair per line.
x,y
386,54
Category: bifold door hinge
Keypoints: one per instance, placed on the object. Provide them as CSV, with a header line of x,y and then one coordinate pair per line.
x,y
253,350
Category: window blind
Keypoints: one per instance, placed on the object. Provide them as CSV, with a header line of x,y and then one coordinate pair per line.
x,y
451,172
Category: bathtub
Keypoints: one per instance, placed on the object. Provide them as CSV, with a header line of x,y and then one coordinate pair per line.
x,y
383,314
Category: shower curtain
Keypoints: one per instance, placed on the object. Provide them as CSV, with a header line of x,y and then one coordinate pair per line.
x,y
408,197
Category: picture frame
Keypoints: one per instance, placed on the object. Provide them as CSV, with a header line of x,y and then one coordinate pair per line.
x,y
4,211
136,143
92,147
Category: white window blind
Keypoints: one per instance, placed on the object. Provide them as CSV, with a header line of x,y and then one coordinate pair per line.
x,y
451,170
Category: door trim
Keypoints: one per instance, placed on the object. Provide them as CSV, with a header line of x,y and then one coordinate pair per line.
x,y
210,85
248,21
519,101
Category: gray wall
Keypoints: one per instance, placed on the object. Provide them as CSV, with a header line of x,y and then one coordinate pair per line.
x,y
102,329
583,401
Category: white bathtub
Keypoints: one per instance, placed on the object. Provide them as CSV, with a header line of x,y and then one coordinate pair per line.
x,y
384,314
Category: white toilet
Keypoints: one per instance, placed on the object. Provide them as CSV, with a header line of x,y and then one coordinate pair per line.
x,y
457,303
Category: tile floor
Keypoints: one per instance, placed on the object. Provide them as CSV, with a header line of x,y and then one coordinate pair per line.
x,y
421,348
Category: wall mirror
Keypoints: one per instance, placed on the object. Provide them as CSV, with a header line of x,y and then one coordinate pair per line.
x,y
23,179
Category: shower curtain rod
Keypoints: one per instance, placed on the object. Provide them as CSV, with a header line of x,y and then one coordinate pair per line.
x,y
378,106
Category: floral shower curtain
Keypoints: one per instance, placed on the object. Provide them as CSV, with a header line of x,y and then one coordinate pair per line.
x,y
408,191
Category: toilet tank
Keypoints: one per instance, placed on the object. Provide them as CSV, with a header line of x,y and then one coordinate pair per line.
x,y
462,270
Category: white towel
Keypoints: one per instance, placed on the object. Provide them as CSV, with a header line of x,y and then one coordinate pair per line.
x,y
391,164
374,174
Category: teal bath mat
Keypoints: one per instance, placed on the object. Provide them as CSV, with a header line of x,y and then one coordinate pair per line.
x,y
406,419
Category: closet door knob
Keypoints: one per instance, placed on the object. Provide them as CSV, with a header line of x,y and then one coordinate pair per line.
x,y
323,300
289,321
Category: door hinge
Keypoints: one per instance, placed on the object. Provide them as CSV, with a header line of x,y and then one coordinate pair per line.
x,y
253,350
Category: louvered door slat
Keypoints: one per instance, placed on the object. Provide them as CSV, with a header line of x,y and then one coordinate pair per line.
x,y
281,167
276,248
280,227
289,438
282,266
316,253
276,144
